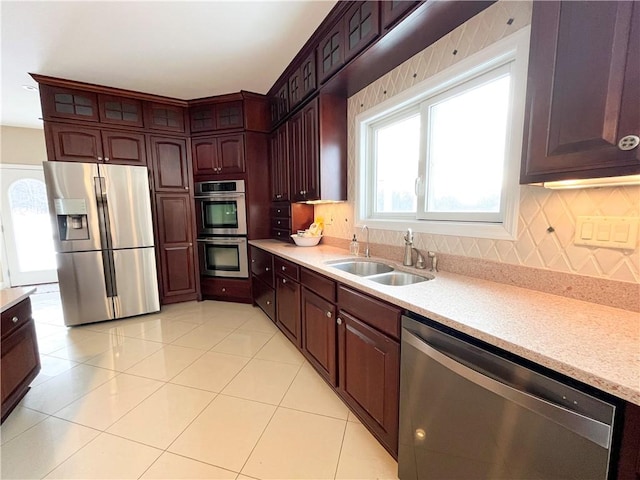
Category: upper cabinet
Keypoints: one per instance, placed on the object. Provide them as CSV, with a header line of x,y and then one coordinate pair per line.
x,y
217,116
393,10
165,117
361,26
170,166
120,110
582,116
302,82
331,52
66,103
218,154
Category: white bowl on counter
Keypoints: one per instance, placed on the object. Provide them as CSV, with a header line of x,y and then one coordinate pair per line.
x,y
306,241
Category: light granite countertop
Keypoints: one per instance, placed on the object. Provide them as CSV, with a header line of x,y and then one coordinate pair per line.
x,y
12,296
592,343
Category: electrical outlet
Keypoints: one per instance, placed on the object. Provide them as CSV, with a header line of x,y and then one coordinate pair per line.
x,y
608,232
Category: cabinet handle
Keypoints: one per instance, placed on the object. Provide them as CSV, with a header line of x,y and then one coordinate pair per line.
x,y
629,142
14,319
328,314
284,280
339,321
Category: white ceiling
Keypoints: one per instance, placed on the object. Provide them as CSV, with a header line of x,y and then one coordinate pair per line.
x,y
178,49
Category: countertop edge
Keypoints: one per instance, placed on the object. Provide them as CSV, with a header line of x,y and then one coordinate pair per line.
x,y
12,296
592,378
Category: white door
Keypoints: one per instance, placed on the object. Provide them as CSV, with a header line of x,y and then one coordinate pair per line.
x,y
26,226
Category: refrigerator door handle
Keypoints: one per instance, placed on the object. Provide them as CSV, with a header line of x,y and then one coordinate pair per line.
x,y
109,273
105,236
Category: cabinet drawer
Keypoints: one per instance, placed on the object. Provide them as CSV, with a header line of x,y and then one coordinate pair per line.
x,y
265,297
281,223
262,265
281,235
287,268
16,316
282,211
323,286
226,288
380,315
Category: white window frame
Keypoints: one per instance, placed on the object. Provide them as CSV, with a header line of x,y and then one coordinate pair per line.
x,y
513,50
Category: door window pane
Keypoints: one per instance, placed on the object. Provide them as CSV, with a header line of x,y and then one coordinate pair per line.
x,y
31,225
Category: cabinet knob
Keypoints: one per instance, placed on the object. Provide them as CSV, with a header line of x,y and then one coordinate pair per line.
x,y
278,210
186,188
253,260
106,159
224,289
339,321
99,159
279,195
328,314
629,142
266,269
284,268
284,280
14,319
191,244
268,302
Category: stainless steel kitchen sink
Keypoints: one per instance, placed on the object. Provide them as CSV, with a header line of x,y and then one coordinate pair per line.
x,y
362,268
399,278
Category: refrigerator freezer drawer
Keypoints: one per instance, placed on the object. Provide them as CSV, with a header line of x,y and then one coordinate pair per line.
x,y
136,282
83,288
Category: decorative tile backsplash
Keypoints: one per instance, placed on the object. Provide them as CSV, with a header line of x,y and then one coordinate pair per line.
x,y
539,208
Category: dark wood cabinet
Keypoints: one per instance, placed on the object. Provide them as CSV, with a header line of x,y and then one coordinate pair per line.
x,y
393,10
217,116
165,117
67,103
227,289
176,247
124,148
331,52
629,459
582,91
170,162
361,27
369,376
262,281
279,159
20,360
288,299
74,143
282,98
319,333
219,154
122,111
302,81
304,153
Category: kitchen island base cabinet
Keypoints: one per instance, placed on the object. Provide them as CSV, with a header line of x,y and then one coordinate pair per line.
x,y
20,360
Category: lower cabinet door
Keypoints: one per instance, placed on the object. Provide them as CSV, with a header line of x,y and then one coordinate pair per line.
x,y
20,363
369,376
288,308
319,334
264,296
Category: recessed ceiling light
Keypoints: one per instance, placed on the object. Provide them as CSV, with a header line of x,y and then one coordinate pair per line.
x,y
31,88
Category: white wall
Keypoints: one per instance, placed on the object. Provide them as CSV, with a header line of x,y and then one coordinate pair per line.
x,y
539,208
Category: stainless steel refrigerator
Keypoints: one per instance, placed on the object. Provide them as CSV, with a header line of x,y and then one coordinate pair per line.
x,y
103,236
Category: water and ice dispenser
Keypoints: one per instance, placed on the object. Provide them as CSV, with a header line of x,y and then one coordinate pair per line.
x,y
72,218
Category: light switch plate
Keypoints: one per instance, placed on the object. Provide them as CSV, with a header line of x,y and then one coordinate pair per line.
x,y
608,232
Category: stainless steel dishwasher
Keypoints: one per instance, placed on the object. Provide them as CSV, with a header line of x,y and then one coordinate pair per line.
x,y
466,413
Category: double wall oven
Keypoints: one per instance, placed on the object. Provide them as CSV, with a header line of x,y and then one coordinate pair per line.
x,y
222,228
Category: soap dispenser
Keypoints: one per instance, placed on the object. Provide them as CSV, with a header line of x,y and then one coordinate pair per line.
x,y
354,246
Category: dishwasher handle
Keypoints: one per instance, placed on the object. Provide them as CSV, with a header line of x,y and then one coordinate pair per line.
x,y
593,430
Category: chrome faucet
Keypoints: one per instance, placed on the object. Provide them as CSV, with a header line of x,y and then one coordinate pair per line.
x,y
434,261
420,260
408,248
367,252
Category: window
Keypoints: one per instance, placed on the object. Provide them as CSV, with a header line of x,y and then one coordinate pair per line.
x,y
444,156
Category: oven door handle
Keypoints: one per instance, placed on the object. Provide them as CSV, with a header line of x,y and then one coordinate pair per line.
x,y
223,241
589,428
219,196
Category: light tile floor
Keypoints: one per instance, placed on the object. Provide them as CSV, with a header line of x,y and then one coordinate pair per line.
x,y
207,390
